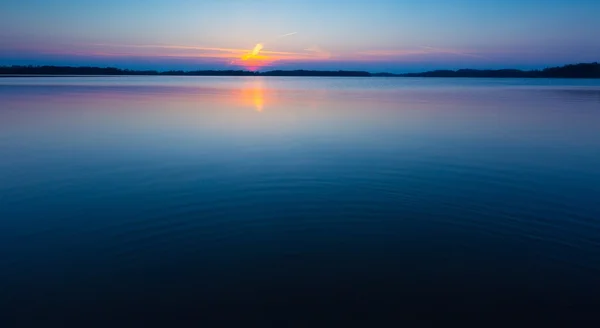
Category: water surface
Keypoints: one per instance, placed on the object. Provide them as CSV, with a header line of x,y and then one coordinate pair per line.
x,y
298,201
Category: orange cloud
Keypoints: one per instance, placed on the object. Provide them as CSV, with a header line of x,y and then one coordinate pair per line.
x,y
254,59
234,51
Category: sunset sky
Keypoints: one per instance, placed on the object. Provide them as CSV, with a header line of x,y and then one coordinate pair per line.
x,y
373,35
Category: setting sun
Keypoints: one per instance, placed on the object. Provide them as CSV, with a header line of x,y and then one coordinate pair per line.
x,y
253,60
254,52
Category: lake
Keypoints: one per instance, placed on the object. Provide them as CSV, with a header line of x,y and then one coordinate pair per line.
x,y
297,201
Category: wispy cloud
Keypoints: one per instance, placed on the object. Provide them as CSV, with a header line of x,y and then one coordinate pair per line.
x,y
451,51
417,51
288,34
390,53
232,56
236,51
266,56
319,52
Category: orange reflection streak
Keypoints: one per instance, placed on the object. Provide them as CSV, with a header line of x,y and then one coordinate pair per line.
x,y
254,94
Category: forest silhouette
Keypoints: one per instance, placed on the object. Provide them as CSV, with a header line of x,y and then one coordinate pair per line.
x,y
582,70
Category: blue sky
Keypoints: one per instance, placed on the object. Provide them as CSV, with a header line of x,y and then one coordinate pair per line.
x,y
400,35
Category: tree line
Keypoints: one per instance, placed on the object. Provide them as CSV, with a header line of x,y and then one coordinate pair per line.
x,y
583,70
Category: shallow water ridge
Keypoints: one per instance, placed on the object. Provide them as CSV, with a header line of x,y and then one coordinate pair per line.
x,y
297,201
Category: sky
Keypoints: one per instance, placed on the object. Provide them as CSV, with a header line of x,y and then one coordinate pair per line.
x,y
371,35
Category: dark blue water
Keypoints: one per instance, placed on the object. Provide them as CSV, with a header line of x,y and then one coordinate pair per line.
x,y
297,201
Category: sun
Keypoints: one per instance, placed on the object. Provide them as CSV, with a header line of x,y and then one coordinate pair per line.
x,y
254,60
254,53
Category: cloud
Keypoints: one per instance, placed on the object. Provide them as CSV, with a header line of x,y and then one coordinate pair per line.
x,y
451,51
259,56
181,47
289,34
410,53
318,52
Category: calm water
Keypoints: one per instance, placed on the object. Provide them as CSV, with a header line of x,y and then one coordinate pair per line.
x,y
298,201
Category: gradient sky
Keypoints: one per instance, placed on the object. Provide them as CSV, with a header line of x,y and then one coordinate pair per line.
x,y
373,35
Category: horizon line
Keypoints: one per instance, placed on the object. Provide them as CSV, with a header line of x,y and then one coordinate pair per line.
x,y
287,70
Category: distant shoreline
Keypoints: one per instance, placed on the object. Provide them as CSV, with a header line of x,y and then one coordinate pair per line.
x,y
576,71
25,76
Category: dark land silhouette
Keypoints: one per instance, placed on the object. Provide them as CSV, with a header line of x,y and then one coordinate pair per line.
x,y
589,70
583,70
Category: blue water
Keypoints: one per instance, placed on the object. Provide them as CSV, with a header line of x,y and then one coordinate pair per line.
x,y
297,201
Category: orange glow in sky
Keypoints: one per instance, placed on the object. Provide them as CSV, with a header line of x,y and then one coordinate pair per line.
x,y
259,57
253,60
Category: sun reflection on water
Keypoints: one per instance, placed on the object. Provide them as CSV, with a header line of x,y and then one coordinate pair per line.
x,y
254,94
